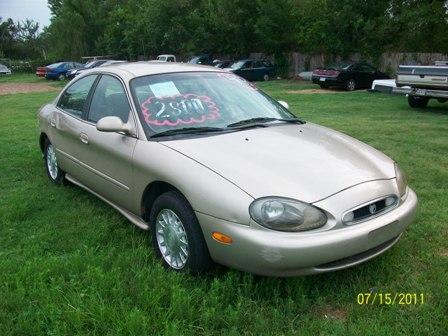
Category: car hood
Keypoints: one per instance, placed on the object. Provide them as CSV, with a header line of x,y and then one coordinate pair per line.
x,y
306,162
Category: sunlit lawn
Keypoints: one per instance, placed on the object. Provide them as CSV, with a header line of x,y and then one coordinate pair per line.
x,y
71,265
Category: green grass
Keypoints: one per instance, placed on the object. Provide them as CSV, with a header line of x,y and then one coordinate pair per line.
x,y
71,265
30,78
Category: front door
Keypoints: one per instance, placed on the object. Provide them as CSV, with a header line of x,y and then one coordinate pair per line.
x,y
107,156
66,121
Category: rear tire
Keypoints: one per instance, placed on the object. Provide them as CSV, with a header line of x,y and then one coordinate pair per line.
x,y
350,85
417,102
61,77
265,77
54,172
176,235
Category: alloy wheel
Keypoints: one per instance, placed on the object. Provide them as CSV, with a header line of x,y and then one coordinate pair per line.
x,y
52,163
172,239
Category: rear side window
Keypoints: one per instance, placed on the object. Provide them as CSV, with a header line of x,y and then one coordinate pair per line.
x,y
73,99
109,99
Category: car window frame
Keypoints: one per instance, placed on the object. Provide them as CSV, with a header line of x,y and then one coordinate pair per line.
x,y
85,115
80,117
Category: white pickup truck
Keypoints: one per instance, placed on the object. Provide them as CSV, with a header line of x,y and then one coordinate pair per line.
x,y
423,83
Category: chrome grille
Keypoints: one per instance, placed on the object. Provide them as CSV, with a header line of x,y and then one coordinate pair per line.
x,y
372,209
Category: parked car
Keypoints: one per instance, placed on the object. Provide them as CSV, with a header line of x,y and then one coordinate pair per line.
x,y
423,83
89,65
222,64
4,70
220,172
253,70
201,59
166,58
59,70
350,76
41,71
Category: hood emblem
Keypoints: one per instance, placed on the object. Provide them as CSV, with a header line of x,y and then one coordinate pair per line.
x,y
372,208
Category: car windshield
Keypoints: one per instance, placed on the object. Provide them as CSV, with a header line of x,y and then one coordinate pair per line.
x,y
88,65
176,101
55,65
237,65
194,60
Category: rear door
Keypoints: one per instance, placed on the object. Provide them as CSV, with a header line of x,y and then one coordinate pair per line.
x,y
66,121
107,156
258,70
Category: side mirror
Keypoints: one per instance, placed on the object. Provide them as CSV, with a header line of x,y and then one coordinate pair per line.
x,y
114,124
284,104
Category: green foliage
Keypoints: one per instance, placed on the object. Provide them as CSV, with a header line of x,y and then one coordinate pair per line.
x,y
143,28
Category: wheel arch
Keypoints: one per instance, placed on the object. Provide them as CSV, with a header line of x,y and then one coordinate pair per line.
x,y
150,194
42,137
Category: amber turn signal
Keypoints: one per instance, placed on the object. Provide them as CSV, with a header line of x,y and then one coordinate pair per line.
x,y
222,238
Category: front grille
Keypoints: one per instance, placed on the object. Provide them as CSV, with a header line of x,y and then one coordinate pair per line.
x,y
370,210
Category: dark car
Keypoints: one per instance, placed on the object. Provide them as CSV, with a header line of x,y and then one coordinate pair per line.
x,y
253,70
59,70
222,64
350,76
89,65
201,60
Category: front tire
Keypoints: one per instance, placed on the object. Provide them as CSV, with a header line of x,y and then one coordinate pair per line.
x,y
54,172
417,102
265,77
176,235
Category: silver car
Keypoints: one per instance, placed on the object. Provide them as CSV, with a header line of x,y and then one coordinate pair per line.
x,y
219,172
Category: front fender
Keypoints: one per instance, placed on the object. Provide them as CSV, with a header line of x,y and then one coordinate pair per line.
x,y
208,192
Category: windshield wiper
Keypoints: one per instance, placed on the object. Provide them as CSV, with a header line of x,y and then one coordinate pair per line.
x,y
259,121
187,130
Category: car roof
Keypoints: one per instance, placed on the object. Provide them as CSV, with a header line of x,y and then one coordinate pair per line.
x,y
137,69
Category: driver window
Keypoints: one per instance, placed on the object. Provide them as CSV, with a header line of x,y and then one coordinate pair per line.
x,y
247,65
109,100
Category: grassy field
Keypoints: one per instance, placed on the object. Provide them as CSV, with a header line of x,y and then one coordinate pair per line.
x,y
71,265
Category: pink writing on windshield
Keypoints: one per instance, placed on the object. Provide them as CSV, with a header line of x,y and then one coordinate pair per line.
x,y
179,109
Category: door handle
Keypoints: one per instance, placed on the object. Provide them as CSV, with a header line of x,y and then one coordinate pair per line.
x,y
53,123
84,138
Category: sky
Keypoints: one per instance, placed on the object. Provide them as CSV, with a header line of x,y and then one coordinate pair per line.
x,y
26,9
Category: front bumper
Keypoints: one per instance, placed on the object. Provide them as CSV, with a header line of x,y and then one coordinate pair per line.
x,y
272,253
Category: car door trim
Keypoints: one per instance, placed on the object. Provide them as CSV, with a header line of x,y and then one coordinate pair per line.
x,y
93,170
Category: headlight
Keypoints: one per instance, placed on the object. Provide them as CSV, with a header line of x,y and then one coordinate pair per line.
x,y
401,180
283,214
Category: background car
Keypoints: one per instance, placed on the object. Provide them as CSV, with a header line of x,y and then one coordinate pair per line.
x,y
59,70
350,76
201,60
253,70
166,58
222,64
89,65
4,70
